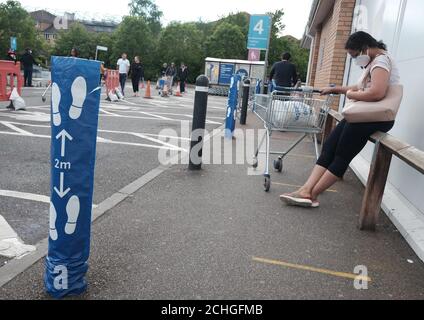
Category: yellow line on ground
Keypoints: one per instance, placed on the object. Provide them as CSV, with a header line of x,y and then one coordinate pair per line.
x,y
294,186
312,269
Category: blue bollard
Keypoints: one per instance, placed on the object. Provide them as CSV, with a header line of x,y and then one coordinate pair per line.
x,y
230,123
75,111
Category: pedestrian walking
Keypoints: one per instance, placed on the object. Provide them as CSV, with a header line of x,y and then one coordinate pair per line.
x,y
284,72
348,139
28,62
123,65
136,75
183,76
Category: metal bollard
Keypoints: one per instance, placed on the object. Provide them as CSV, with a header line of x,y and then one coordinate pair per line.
x,y
245,102
199,122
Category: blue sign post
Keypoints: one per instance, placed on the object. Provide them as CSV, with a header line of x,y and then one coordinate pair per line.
x,y
75,110
259,32
259,37
13,44
230,122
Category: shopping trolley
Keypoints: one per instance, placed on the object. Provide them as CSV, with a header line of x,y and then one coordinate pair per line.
x,y
289,110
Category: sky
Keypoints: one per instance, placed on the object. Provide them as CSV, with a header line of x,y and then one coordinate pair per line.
x,y
295,19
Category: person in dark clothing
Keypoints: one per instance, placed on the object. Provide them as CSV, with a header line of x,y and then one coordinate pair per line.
x,y
172,72
183,76
163,70
74,52
284,72
137,72
28,62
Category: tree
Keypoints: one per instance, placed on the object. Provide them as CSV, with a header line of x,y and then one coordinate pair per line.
x,y
181,42
16,22
280,44
148,10
227,42
135,38
76,36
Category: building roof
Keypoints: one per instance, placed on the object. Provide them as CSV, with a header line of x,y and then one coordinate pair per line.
x,y
319,12
43,16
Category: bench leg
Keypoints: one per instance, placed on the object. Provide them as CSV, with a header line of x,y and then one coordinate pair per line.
x,y
371,205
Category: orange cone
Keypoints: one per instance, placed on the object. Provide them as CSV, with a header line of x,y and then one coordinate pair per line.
x,y
148,94
178,94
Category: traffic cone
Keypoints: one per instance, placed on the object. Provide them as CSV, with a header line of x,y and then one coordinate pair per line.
x,y
178,93
148,94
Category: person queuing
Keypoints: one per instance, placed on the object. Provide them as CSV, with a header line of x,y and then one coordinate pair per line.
x,y
28,62
137,73
183,76
172,72
123,65
284,72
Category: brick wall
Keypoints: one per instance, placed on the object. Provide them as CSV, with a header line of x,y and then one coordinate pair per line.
x,y
329,55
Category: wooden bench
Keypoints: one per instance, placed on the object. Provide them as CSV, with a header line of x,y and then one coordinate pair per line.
x,y
386,147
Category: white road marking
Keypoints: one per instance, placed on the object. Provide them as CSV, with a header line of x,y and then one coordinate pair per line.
x,y
16,129
106,131
25,196
105,141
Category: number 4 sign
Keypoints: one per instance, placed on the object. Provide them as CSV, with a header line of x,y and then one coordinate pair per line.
x,y
259,32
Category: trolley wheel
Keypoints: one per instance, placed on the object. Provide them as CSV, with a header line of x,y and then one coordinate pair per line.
x,y
255,163
267,183
278,165
44,99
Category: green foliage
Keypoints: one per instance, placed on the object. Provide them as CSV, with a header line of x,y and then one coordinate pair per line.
x,y
16,22
227,42
280,44
142,34
76,36
181,42
148,10
135,38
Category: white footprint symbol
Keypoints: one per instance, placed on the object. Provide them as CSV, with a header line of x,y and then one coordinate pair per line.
x,y
79,93
53,217
57,120
73,211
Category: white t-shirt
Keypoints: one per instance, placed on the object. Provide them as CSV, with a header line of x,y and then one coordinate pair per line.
x,y
386,62
123,65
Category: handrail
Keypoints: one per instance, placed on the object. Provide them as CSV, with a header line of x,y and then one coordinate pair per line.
x,y
387,146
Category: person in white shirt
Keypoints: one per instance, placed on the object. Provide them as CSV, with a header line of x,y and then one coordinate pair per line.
x,y
123,65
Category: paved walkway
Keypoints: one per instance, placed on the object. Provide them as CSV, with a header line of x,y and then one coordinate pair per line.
x,y
215,234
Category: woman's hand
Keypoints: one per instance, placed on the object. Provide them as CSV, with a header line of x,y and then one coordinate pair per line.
x,y
350,94
327,91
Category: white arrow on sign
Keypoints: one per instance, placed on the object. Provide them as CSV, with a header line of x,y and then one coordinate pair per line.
x,y
63,135
60,192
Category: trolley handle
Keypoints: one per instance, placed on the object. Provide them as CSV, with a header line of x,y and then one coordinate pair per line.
x,y
303,89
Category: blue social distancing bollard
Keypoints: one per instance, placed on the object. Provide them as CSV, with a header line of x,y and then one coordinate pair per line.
x,y
75,112
230,122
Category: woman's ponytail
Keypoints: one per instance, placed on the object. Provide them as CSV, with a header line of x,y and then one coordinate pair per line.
x,y
382,45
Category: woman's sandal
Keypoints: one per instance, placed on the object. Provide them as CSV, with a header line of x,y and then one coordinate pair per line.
x,y
295,199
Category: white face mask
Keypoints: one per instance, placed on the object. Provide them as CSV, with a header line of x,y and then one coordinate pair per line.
x,y
363,60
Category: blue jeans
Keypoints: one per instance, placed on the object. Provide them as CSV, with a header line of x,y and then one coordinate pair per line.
x,y
122,81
